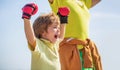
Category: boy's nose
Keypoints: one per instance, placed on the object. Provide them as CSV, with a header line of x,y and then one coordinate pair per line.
x,y
58,30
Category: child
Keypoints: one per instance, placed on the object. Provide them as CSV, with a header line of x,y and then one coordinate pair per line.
x,y
45,36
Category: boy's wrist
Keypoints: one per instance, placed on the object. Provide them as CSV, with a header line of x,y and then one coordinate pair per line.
x,y
25,19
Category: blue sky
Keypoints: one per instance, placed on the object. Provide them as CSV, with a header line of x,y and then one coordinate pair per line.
x,y
104,30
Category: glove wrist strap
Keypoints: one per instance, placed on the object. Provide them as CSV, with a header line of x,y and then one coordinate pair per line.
x,y
27,16
64,19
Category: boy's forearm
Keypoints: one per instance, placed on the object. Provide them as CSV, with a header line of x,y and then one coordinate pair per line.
x,y
29,32
63,13
62,30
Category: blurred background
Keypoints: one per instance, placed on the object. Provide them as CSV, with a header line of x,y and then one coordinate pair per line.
x,y
104,31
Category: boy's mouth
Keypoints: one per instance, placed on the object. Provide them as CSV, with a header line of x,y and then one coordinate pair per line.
x,y
56,36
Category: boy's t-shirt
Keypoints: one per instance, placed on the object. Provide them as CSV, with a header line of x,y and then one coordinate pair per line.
x,y
45,56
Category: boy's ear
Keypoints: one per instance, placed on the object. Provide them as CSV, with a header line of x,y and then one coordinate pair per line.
x,y
44,33
50,1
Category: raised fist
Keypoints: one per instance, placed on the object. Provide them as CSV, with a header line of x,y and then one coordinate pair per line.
x,y
29,10
63,13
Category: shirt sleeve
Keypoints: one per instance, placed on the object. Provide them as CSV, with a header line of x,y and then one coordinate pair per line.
x,y
31,47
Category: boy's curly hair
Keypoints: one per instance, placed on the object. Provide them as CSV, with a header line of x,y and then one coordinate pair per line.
x,y
42,23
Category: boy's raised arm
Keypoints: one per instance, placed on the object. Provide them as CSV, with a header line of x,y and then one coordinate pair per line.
x,y
29,33
63,13
29,10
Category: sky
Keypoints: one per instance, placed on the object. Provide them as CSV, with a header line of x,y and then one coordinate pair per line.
x,y
104,31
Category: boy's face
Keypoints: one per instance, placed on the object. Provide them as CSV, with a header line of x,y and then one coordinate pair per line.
x,y
52,33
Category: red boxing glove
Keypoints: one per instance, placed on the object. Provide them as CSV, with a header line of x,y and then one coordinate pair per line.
x,y
29,10
63,13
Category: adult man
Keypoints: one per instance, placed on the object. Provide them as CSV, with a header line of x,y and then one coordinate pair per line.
x,y
77,52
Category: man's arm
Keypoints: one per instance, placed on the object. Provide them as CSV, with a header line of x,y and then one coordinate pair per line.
x,y
94,2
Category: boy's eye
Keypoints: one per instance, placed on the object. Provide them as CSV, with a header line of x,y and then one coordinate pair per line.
x,y
54,27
